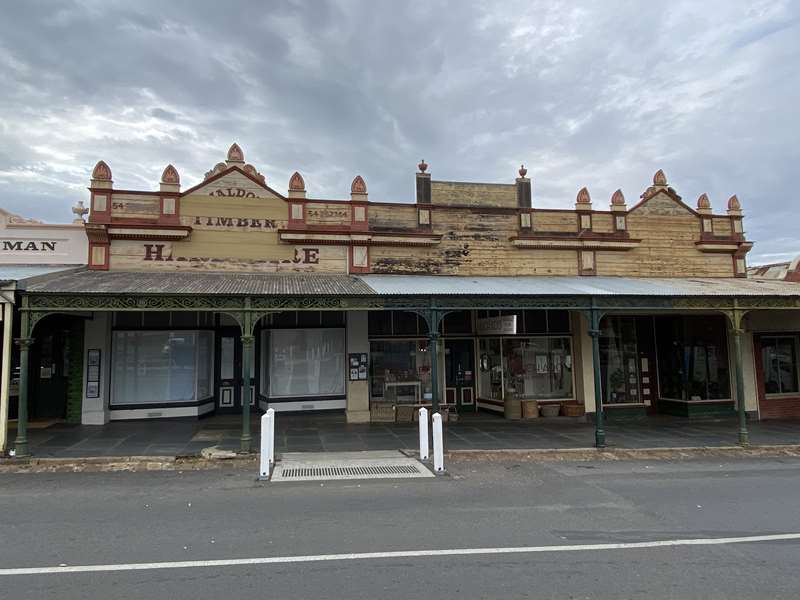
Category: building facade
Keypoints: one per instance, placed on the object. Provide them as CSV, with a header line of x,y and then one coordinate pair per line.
x,y
230,294
30,249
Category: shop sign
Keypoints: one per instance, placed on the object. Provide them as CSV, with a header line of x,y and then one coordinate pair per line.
x,y
28,246
504,325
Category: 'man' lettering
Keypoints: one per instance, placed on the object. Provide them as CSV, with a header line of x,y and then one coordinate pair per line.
x,y
30,246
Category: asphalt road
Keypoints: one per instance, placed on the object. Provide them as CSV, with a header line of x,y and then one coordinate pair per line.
x,y
119,518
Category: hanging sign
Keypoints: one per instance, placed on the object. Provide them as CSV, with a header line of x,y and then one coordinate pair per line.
x,y
504,325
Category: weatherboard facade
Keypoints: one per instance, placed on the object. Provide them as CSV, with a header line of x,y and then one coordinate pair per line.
x,y
158,353
235,221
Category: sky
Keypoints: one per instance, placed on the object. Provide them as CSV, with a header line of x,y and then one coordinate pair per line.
x,y
597,94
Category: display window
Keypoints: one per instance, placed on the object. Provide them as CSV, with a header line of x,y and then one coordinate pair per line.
x,y
779,362
693,358
306,362
400,371
535,368
161,367
619,363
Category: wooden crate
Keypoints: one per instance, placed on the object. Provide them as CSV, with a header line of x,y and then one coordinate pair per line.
x,y
382,413
570,409
405,413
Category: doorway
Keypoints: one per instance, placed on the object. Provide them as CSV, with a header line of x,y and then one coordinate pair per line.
x,y
228,371
459,374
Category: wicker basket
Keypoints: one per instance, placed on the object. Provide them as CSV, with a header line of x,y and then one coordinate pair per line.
x,y
381,413
550,410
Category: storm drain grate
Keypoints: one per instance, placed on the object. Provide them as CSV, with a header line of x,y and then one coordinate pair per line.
x,y
329,470
348,471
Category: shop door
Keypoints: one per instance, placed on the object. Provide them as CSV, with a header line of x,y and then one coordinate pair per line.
x,y
229,372
459,369
49,369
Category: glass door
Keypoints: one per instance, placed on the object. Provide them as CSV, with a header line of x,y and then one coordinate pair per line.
x,y
229,372
459,371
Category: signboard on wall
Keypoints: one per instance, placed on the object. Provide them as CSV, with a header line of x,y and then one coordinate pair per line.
x,y
503,325
358,366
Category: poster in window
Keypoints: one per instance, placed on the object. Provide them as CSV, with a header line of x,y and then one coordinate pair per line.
x,y
358,366
541,364
93,373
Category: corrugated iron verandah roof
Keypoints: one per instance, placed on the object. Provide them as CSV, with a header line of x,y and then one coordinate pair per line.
x,y
313,284
437,285
205,284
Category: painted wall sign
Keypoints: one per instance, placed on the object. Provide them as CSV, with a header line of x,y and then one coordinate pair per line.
x,y
235,222
232,193
29,245
503,325
155,252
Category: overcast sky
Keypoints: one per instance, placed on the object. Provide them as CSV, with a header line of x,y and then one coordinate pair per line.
x,y
600,94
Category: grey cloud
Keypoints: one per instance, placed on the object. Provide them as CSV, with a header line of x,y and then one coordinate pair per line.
x,y
584,94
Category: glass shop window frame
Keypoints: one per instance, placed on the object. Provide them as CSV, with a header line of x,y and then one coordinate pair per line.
x,y
685,338
423,382
616,324
489,339
795,341
202,370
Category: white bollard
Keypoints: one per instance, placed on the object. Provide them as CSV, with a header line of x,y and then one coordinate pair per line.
x,y
438,445
424,446
267,454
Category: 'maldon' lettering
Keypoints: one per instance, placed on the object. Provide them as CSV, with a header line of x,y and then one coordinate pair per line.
x,y
31,246
233,193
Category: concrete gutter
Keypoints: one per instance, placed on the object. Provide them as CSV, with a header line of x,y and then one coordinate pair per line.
x,y
587,454
198,463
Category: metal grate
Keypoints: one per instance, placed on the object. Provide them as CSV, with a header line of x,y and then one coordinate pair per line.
x,y
345,471
347,466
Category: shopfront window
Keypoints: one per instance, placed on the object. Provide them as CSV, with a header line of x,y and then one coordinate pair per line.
x,y
528,368
779,361
306,362
161,367
490,369
619,371
400,371
693,358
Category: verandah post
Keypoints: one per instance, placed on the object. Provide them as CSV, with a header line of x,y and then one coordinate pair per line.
x,y
247,353
248,340
735,320
432,318
599,425
24,342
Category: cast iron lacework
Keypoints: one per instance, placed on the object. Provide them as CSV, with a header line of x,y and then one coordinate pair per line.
x,y
67,303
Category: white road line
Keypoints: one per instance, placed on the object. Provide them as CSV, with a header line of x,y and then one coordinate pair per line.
x,y
273,560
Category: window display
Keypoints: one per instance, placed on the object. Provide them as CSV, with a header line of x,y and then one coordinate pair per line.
x,y
693,358
160,367
779,361
400,371
537,368
619,365
306,362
